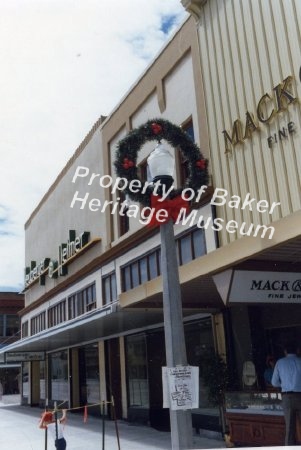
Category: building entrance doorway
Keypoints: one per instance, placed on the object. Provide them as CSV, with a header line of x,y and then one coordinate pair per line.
x,y
89,389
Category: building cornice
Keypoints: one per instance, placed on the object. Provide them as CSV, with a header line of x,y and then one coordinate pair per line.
x,y
194,7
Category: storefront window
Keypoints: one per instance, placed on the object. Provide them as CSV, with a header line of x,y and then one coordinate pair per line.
x,y
200,344
89,374
42,380
25,379
59,375
10,379
137,371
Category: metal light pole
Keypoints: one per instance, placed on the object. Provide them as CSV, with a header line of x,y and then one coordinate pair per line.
x,y
161,165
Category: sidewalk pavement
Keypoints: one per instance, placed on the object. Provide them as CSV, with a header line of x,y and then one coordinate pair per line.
x,y
19,430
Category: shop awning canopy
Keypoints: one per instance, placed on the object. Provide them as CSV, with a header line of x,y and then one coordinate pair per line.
x,y
89,327
99,324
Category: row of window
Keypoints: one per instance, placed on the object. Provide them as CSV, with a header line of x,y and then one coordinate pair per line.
x,y
189,246
82,302
78,303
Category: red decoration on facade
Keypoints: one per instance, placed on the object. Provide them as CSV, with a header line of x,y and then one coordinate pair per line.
x,y
156,128
201,163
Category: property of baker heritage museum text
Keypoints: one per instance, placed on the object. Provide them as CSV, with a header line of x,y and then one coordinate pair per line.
x,y
145,215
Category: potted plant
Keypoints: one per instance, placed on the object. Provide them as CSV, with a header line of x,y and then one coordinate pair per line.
x,y
215,375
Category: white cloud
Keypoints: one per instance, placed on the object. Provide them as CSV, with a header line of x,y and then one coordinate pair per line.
x,y
63,64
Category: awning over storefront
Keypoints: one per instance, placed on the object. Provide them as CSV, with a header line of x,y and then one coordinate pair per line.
x,y
108,321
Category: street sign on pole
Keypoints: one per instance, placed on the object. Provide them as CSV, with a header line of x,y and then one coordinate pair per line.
x,y
18,357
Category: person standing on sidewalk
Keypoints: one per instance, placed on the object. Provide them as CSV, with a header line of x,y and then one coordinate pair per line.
x,y
287,375
56,428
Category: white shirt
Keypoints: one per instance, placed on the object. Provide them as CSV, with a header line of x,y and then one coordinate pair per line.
x,y
60,428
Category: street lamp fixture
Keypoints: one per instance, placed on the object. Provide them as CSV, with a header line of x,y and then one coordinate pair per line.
x,y
161,165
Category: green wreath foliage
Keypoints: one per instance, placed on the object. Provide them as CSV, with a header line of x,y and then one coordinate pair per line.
x,y
157,130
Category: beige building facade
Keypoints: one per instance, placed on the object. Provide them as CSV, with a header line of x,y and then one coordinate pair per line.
x,y
250,63
93,314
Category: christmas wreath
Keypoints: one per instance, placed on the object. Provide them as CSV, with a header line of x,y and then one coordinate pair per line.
x,y
158,129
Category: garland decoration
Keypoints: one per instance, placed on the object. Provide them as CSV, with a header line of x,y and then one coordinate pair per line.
x,y
156,130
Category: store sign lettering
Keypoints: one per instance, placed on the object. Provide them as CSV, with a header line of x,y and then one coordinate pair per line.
x,y
18,357
57,267
268,107
246,286
35,271
263,285
278,285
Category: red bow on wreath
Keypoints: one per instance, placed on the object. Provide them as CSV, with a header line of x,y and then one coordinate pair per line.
x,y
172,207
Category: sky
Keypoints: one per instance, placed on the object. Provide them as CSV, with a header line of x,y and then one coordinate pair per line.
x,y
64,63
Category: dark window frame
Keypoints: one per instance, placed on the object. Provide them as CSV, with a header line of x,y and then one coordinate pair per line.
x,y
112,295
191,234
38,323
138,260
56,314
24,329
123,220
127,279
81,302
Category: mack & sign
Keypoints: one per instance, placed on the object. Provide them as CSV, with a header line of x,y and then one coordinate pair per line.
x,y
268,106
265,287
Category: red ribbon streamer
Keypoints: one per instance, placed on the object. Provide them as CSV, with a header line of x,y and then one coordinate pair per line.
x,y
172,206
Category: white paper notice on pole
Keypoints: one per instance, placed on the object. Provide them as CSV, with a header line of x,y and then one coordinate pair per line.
x,y
180,387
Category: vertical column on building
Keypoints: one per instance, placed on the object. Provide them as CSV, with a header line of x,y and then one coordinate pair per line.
x,y
123,379
35,383
102,373
74,378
